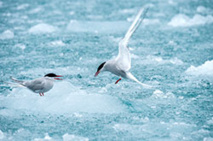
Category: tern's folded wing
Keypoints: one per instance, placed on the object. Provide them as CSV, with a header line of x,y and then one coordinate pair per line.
x,y
36,85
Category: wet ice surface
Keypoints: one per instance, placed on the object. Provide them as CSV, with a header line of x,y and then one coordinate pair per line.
x,y
171,51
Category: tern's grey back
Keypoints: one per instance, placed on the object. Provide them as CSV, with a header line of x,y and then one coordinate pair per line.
x,y
40,85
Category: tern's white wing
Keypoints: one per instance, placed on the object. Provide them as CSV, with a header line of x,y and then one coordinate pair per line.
x,y
123,59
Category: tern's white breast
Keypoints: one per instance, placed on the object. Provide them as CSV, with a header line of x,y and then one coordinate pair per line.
x,y
112,67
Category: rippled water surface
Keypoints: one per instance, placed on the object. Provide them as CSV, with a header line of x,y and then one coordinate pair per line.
x,y
172,51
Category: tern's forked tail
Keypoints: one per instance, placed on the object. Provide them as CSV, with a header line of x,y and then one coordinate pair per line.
x,y
17,81
130,76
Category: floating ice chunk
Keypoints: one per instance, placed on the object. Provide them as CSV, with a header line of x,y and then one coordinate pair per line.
x,y
183,20
7,34
156,92
21,46
72,100
171,42
1,135
78,115
67,137
171,2
204,69
36,10
46,138
179,20
210,122
160,94
202,9
72,12
23,6
158,59
57,43
208,139
42,28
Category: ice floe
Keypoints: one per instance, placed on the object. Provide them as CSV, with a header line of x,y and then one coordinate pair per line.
x,y
57,43
204,69
202,9
208,139
42,28
172,2
159,94
35,10
7,34
68,137
46,138
1,135
182,20
72,100
72,12
21,46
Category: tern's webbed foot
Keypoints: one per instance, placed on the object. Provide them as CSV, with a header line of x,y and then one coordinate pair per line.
x,y
117,80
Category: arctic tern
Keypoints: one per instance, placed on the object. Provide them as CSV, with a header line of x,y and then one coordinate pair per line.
x,y
40,85
121,65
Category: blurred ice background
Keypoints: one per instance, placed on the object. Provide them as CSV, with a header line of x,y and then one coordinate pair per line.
x,y
172,50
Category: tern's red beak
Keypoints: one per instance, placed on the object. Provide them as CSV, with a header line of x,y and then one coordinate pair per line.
x,y
96,74
56,78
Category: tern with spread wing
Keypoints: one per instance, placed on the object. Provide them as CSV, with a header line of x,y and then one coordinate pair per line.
x,y
121,65
40,85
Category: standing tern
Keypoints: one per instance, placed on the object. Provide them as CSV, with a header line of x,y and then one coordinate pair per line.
x,y
40,85
121,65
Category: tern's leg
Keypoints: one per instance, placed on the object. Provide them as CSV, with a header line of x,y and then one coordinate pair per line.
x,y
40,94
117,80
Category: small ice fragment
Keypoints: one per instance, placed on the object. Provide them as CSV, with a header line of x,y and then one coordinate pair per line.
x,y
42,28
1,135
67,137
57,43
21,46
7,34
182,20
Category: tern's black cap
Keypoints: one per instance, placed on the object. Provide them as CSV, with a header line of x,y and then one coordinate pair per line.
x,y
50,75
101,66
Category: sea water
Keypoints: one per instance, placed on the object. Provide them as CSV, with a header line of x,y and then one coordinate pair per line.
x,y
172,51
